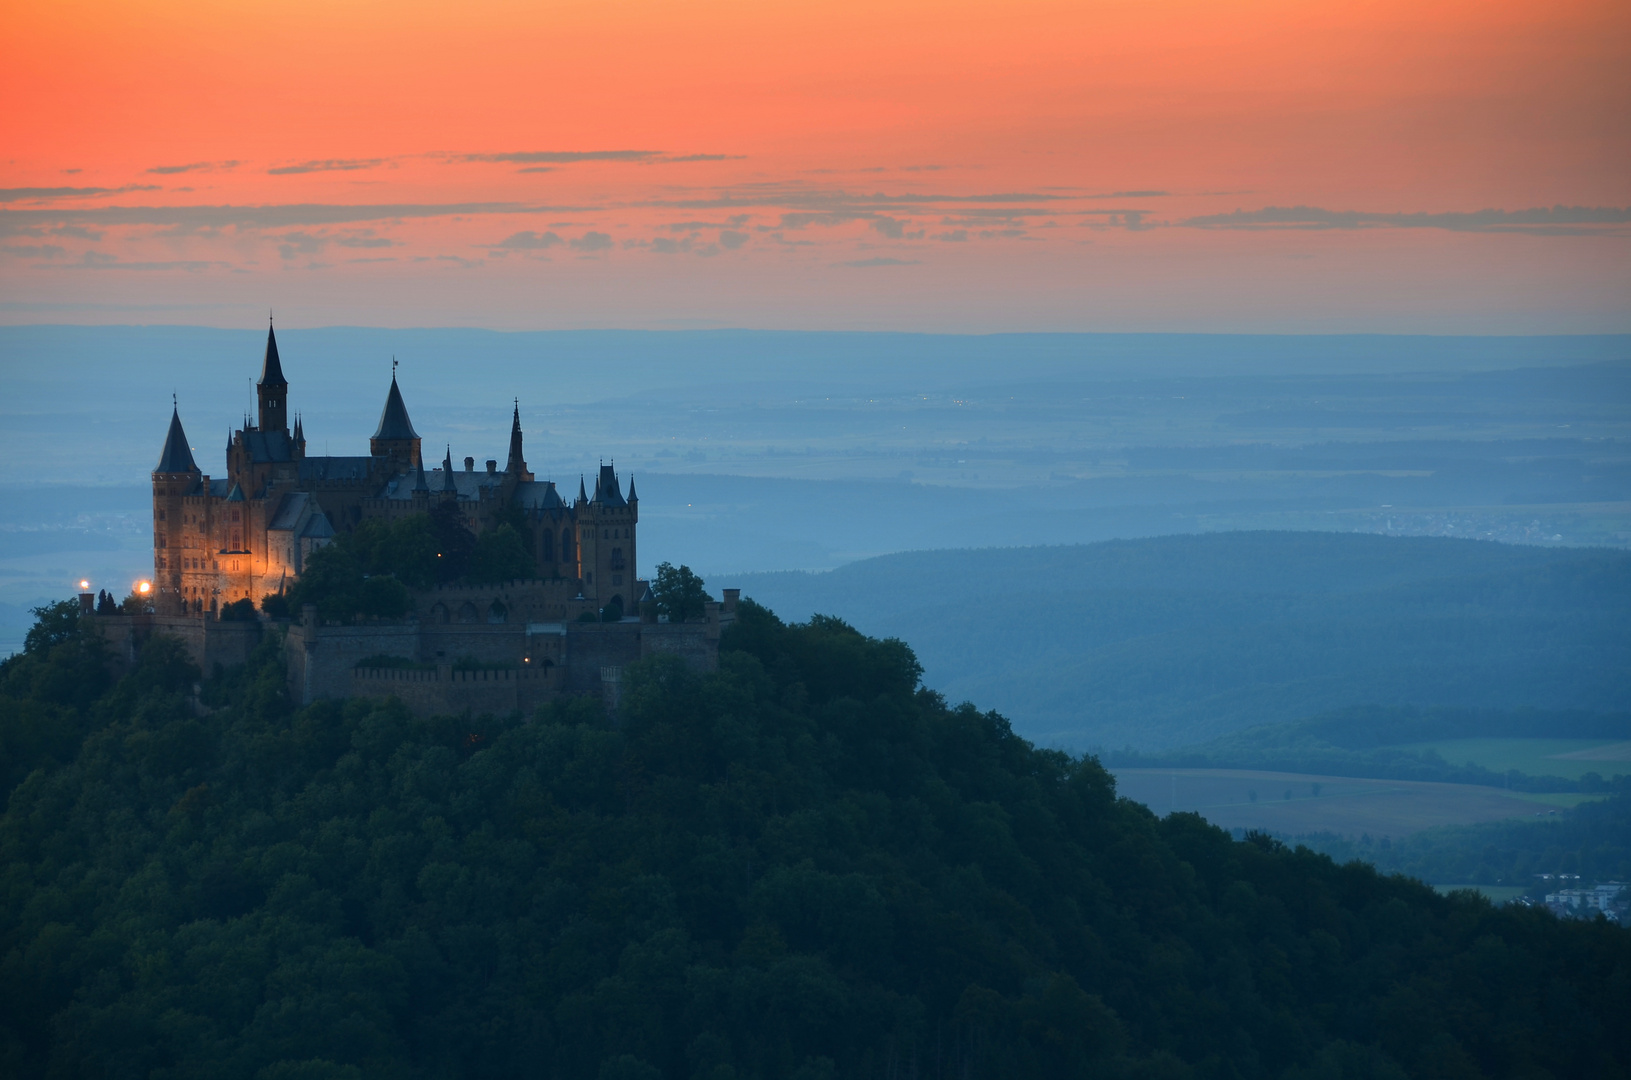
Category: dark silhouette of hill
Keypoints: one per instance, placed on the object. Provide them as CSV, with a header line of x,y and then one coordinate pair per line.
x,y
1176,640
801,866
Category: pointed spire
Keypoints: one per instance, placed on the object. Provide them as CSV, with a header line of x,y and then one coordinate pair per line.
x,y
582,496
447,470
271,368
517,464
393,419
299,432
177,456
633,498
419,481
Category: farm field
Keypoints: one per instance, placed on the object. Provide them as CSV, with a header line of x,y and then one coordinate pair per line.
x,y
1495,894
1567,758
1293,803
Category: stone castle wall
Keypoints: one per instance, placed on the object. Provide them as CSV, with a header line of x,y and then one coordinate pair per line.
x,y
519,665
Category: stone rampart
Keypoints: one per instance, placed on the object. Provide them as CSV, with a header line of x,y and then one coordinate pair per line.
x,y
443,690
209,641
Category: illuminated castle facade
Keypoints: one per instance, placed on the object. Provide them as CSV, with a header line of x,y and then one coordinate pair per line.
x,y
247,534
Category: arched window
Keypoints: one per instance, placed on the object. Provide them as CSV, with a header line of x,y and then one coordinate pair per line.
x,y
566,545
467,612
438,613
548,545
497,613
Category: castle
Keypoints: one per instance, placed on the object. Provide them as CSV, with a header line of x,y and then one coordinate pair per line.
x,y
487,647
242,536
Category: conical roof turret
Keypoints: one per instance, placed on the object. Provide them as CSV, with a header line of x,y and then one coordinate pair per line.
x,y
582,495
517,463
393,419
271,367
177,456
447,472
633,498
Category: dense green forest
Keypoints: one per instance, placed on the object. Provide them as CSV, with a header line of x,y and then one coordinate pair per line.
x,y
804,865
1592,840
1361,741
1170,641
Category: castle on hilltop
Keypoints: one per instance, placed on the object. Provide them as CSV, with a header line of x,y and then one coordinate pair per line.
x,y
247,534
569,628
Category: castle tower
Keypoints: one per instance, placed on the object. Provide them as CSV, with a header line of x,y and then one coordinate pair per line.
x,y
273,389
606,542
395,437
174,478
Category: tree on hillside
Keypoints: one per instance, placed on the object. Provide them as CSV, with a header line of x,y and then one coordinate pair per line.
x,y
500,555
53,624
679,593
455,543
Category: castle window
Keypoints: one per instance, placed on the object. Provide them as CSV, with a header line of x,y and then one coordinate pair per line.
x,y
161,515
548,539
616,561
497,613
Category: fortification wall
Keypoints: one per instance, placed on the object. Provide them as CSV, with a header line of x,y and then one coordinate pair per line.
x,y
592,647
696,643
428,692
523,601
209,641
321,658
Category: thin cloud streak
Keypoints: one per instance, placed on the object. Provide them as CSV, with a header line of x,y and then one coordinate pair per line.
x,y
327,165
274,216
1541,220
559,157
19,194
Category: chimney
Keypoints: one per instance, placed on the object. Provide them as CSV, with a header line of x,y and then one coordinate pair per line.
x,y
492,466
731,597
469,464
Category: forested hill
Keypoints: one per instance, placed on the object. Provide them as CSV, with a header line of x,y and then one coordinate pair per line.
x,y
1176,640
801,866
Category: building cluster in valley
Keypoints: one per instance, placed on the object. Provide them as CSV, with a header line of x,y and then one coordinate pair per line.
x,y
1610,898
492,647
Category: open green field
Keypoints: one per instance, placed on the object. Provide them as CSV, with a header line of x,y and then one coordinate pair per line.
x,y
1496,894
1568,758
1295,803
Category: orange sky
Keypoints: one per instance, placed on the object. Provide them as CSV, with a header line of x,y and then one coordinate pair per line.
x,y
1456,167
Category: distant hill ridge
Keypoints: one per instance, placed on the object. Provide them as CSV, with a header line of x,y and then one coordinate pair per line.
x,y
1175,640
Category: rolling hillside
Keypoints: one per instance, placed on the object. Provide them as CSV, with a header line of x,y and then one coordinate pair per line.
x,y
1175,640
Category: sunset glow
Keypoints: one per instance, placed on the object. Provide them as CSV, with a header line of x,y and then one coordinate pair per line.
x,y
972,166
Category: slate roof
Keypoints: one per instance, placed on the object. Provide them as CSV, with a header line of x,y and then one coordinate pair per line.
x,y
607,489
393,419
266,446
177,456
320,469
220,487
538,495
271,368
289,511
318,528
467,484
